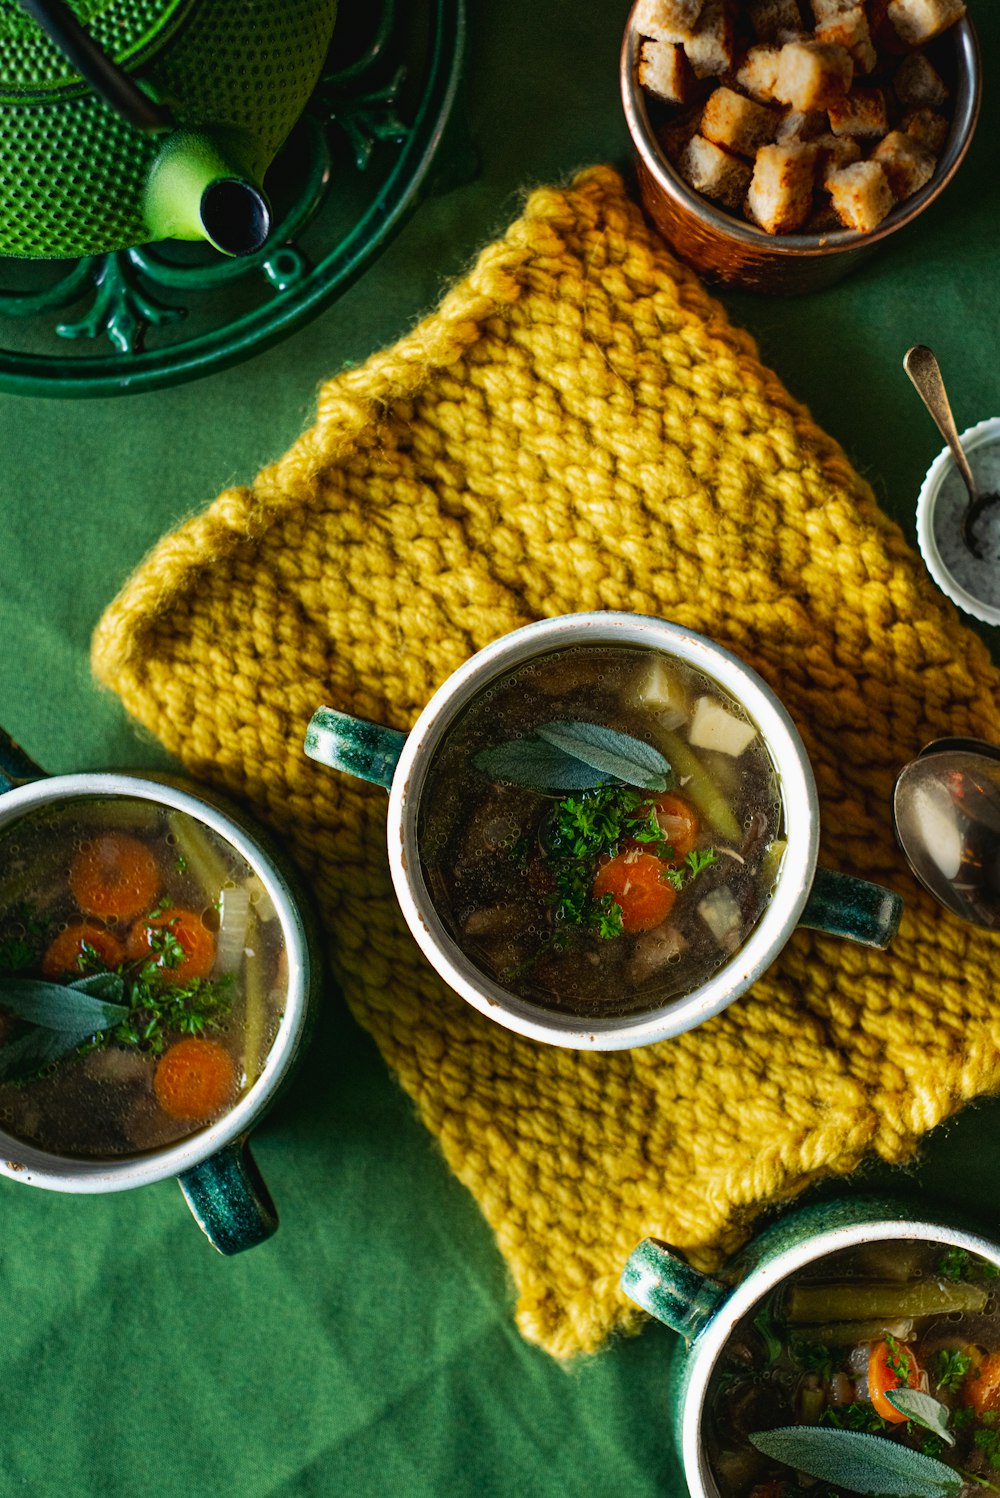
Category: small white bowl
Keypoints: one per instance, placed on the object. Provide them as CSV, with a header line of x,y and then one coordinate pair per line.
x,y
973,584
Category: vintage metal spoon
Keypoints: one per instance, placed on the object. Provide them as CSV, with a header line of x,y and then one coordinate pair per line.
x,y
923,369
946,812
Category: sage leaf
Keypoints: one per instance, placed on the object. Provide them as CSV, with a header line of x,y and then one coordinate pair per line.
x,y
540,766
33,1050
923,1410
81,1008
865,1464
616,754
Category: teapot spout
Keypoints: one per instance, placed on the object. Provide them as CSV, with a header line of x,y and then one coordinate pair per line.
x,y
195,192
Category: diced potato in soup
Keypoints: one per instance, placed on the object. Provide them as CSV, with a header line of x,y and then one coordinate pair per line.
x,y
578,840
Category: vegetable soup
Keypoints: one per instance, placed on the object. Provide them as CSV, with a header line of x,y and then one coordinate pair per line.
x,y
601,829
875,1370
143,976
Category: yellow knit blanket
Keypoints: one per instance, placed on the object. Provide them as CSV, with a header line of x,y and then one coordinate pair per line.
x,y
579,427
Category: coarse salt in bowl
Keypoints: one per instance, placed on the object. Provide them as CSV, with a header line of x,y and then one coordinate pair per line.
x,y
971,582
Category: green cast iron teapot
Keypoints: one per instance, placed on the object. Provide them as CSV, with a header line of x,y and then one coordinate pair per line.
x,y
124,121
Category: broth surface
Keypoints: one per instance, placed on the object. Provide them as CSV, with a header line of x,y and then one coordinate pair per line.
x,y
190,949
827,1345
494,854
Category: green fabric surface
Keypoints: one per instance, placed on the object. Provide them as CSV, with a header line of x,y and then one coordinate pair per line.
x,y
369,1348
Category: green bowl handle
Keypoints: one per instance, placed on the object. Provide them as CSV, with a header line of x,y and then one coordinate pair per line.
x,y
663,1283
844,906
230,1203
15,766
353,744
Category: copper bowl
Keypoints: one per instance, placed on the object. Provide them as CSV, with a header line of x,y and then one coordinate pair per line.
x,y
733,252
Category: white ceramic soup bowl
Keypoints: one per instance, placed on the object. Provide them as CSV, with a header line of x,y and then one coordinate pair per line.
x,y
705,1310
214,1166
835,903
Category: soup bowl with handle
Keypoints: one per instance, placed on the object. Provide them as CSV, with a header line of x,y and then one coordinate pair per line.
x,y
214,1166
804,894
705,1310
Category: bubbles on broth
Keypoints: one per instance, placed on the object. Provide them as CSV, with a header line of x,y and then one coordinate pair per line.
x,y
178,972
501,894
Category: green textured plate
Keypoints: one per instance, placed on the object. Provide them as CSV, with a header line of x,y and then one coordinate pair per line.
x,y
353,169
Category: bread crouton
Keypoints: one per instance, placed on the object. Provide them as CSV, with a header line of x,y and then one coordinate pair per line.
x,y
666,20
665,71
710,170
797,124
834,152
812,75
861,195
737,123
829,10
916,21
674,136
710,47
755,74
781,192
928,127
850,30
775,20
861,113
907,164
917,82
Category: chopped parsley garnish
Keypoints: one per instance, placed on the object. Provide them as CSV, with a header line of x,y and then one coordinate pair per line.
x,y
896,1360
814,1357
953,1263
856,1416
962,1417
584,828
988,1442
949,1366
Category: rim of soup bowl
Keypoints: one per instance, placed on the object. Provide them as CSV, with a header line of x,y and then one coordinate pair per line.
x,y
801,813
38,1167
761,1282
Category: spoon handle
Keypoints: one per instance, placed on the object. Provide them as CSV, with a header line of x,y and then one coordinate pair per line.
x,y
922,366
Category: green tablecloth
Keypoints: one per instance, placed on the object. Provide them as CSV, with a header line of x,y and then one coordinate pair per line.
x,y
369,1348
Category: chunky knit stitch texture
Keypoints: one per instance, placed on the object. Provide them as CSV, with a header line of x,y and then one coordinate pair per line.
x,y
579,427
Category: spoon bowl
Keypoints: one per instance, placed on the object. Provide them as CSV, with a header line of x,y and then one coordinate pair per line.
x,y
946,814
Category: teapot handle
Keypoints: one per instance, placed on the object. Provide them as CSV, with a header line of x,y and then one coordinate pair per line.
x,y
15,765
104,76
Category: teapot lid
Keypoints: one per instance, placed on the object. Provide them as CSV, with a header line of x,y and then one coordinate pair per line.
x,y
33,68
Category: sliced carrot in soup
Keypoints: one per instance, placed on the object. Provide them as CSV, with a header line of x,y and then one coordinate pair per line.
x,y
194,1078
190,934
65,950
636,885
114,876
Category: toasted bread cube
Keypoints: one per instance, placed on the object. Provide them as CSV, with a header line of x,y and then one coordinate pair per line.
x,y
780,195
928,127
916,21
712,171
812,75
757,72
861,195
797,124
862,113
665,71
829,10
675,135
775,20
737,123
907,164
850,30
666,20
834,152
918,84
710,48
